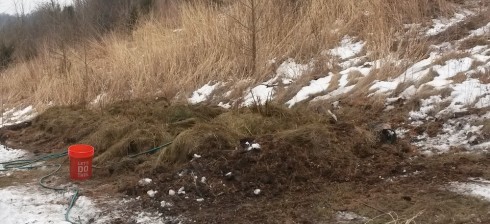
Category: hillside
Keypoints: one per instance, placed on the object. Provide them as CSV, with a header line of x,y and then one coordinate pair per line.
x,y
266,111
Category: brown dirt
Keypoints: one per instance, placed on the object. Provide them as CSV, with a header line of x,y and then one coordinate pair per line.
x,y
308,168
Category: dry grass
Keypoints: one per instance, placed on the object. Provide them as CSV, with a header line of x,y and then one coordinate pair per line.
x,y
474,41
451,55
483,76
426,78
459,78
211,43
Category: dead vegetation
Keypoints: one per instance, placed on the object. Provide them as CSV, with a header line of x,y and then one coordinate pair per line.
x,y
206,41
308,167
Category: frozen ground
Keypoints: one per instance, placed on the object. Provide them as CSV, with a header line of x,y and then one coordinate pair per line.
x,y
32,204
474,187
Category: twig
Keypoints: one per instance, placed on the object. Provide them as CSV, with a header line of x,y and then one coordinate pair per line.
x,y
377,209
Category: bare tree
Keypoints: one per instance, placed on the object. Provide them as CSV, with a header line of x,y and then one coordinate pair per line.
x,y
251,9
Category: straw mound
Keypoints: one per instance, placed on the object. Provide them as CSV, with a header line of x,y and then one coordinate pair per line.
x,y
202,138
116,130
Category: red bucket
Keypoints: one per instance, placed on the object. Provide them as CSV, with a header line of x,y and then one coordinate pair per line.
x,y
80,161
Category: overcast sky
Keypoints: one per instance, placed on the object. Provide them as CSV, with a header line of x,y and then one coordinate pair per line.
x,y
9,6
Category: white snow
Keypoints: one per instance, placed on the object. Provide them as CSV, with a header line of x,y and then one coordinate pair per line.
x,y
442,24
289,71
483,102
427,106
383,86
203,93
348,48
315,86
7,155
16,115
418,70
224,105
408,92
257,191
466,93
453,67
456,132
482,31
259,95
28,204
253,146
196,156
200,199
475,187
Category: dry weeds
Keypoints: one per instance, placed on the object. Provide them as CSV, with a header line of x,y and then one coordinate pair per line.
x,y
206,42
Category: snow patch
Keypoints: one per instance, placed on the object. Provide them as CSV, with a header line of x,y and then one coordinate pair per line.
x,y
442,24
483,31
456,132
289,71
10,154
21,204
476,187
315,86
453,67
465,94
203,93
348,48
258,95
16,115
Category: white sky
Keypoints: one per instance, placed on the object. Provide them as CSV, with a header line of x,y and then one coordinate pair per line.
x,y
9,6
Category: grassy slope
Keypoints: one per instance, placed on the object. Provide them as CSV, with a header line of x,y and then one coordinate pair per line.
x,y
200,43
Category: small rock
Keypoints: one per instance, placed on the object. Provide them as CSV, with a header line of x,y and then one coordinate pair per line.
x,y
144,182
181,191
257,191
165,204
200,199
203,180
229,176
171,192
151,193
256,146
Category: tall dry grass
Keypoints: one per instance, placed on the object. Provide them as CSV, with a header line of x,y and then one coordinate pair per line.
x,y
171,55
